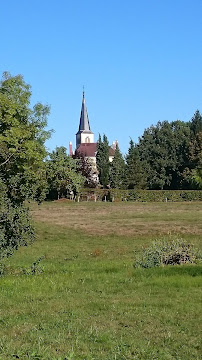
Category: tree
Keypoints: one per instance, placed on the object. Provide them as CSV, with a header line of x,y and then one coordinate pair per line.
x,y
15,227
62,173
22,151
22,138
197,178
164,149
195,151
135,176
117,170
196,123
102,160
88,170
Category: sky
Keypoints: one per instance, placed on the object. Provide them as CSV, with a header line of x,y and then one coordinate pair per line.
x,y
140,62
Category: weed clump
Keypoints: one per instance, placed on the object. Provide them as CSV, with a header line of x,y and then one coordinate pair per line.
x,y
35,268
168,252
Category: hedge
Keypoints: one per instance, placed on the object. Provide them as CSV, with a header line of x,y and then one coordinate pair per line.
x,y
140,195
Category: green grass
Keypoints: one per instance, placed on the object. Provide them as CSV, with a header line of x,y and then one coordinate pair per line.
x,y
90,303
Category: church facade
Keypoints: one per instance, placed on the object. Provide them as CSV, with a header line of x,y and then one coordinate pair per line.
x,y
85,144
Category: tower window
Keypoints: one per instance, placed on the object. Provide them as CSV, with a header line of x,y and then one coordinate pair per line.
x,y
87,139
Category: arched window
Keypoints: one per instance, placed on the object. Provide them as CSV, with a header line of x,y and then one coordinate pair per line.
x,y
87,139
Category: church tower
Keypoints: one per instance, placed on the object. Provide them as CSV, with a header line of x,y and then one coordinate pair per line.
x,y
84,134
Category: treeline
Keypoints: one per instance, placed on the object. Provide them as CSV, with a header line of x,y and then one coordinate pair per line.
x,y
167,156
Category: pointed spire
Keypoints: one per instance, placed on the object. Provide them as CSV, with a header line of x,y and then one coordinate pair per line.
x,y
84,134
84,124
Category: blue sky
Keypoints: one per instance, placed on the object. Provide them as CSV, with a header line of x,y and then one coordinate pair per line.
x,y
140,61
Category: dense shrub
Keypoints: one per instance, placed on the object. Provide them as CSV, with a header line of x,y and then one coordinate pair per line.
x,y
15,225
141,195
168,252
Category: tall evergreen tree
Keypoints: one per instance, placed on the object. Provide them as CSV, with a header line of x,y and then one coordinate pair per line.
x,y
195,151
135,176
102,160
196,123
117,170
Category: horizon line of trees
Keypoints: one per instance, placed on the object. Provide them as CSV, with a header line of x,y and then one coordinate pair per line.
x,y
167,156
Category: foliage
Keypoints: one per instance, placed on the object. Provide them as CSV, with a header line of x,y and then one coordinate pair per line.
x,y
15,226
135,175
22,138
62,173
141,195
88,170
197,178
22,151
170,153
102,160
164,150
195,150
196,123
168,252
117,170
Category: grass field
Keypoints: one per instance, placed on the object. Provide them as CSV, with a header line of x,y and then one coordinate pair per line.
x,y
89,302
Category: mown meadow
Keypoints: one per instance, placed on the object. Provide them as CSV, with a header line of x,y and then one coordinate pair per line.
x,y
74,293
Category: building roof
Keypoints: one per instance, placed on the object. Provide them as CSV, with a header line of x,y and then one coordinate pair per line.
x,y
90,149
84,124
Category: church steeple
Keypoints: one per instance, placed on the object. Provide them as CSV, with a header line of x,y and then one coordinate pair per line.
x,y
84,135
84,124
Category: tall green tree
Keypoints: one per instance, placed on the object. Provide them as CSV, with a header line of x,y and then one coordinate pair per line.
x,y
62,173
102,160
22,139
164,148
195,151
135,177
196,123
22,151
117,170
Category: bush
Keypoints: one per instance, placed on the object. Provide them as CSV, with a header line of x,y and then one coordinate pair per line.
x,y
140,195
15,225
168,252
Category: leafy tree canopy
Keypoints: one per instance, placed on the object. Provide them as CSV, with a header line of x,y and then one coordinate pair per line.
x,y
22,138
63,173
164,150
22,151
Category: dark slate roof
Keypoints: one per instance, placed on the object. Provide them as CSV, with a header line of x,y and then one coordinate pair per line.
x,y
90,149
84,124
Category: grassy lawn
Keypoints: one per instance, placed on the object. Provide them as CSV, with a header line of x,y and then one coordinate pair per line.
x,y
90,303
